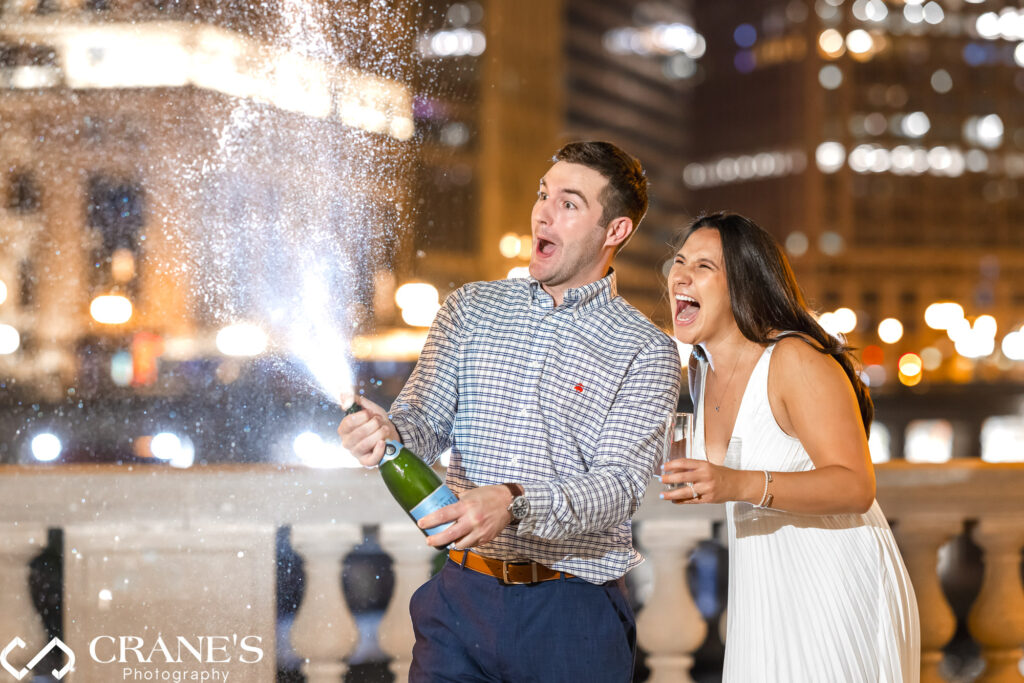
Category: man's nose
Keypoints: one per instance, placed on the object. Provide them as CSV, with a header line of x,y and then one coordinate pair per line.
x,y
542,213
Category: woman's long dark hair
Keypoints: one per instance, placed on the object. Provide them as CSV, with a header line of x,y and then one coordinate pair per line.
x,y
766,300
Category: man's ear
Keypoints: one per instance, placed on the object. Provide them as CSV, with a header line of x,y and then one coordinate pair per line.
x,y
618,231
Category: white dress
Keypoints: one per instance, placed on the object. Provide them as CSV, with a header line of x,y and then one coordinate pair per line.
x,y
812,598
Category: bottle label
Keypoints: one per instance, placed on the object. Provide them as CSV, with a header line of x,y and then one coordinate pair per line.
x,y
441,496
391,450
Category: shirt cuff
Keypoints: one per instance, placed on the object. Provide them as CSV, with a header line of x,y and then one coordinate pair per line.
x,y
540,497
407,435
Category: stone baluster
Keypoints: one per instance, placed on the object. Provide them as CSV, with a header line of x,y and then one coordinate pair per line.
x,y
19,543
324,632
411,559
669,626
920,539
996,619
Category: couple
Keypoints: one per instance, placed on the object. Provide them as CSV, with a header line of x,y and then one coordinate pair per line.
x,y
552,393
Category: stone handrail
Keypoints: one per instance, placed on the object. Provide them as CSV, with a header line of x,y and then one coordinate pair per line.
x,y
156,552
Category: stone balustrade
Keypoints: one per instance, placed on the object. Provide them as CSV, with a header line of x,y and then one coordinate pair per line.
x,y
153,554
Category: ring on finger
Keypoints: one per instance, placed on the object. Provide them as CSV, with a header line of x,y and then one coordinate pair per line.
x,y
696,495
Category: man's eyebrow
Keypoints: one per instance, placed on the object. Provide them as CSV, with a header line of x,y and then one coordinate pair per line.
x,y
577,193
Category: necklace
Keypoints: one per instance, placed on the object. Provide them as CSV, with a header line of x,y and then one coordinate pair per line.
x,y
728,383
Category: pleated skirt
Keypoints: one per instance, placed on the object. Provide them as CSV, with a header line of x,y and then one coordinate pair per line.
x,y
818,599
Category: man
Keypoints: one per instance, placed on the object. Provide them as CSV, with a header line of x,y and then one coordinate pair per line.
x,y
551,392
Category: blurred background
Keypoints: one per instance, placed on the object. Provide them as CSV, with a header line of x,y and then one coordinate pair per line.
x,y
216,216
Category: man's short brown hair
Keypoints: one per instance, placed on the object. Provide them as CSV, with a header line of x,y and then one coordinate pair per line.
x,y
626,192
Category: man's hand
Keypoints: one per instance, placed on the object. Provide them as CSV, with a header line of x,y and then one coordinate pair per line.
x,y
363,434
479,516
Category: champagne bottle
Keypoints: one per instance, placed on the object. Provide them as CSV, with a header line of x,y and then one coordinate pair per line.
x,y
412,482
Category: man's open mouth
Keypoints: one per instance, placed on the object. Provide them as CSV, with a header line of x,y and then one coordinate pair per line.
x,y
545,247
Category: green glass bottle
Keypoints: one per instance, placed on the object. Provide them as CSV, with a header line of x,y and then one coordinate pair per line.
x,y
412,482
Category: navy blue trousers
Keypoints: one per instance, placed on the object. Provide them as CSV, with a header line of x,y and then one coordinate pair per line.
x,y
470,627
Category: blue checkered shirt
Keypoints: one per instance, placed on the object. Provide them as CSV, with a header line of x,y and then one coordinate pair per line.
x,y
569,401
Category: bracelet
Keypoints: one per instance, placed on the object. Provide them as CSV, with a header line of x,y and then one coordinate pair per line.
x,y
766,498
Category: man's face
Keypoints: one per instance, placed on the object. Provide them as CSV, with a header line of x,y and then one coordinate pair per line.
x,y
567,233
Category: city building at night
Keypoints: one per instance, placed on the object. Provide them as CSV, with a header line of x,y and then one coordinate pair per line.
x,y
218,215
172,177
546,73
883,144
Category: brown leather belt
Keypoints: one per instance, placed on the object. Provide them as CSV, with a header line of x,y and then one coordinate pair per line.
x,y
506,572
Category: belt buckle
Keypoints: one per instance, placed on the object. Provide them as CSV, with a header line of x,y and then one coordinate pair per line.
x,y
508,582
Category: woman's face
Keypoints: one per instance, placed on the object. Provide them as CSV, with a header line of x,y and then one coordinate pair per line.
x,y
698,290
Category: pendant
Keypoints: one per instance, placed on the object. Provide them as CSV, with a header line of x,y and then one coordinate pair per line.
x,y
716,408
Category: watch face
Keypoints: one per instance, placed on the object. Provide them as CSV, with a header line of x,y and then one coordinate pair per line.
x,y
520,507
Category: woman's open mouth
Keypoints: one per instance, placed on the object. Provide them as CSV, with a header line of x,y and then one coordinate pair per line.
x,y
686,309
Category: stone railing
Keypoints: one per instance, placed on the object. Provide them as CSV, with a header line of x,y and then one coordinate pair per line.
x,y
927,505
155,558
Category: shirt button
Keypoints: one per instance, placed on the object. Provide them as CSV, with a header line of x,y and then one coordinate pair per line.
x,y
524,411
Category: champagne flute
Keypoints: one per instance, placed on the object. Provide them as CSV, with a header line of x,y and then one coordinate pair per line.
x,y
678,441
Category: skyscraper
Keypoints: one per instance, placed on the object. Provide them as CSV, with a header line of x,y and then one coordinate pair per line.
x,y
883,144
543,73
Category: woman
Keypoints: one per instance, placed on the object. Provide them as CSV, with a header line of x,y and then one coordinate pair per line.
x,y
817,588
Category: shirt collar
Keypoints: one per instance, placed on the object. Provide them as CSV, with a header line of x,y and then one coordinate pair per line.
x,y
702,353
581,299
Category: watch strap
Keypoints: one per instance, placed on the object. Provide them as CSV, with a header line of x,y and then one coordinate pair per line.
x,y
515,489
516,507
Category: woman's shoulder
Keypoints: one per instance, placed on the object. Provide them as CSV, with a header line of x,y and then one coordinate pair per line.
x,y
799,357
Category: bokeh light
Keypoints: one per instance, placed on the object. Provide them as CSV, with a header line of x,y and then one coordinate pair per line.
x,y
10,339
910,364
890,330
419,303
46,447
943,314
111,309
509,245
242,339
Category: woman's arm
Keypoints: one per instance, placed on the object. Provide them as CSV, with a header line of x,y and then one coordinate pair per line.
x,y
812,400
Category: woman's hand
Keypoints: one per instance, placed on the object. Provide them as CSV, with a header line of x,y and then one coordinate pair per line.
x,y
702,482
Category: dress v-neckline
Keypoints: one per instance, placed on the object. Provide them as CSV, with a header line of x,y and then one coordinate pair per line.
x,y
739,411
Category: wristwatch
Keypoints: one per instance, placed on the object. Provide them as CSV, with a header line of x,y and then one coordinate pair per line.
x,y
520,506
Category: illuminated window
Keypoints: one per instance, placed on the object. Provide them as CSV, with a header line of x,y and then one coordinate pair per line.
x,y
929,441
879,444
1002,439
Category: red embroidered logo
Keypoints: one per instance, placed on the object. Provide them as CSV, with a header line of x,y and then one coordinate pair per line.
x,y
579,388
